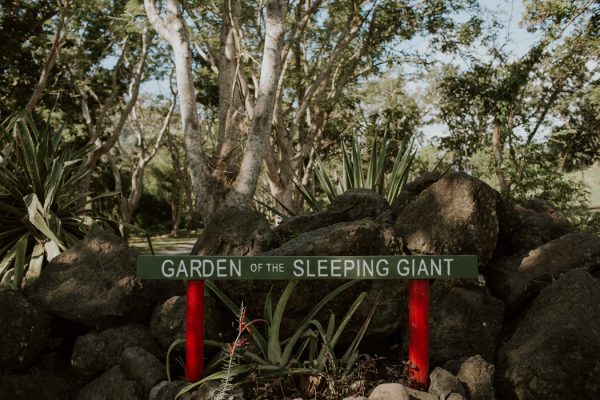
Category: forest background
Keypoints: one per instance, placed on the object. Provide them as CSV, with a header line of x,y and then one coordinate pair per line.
x,y
177,109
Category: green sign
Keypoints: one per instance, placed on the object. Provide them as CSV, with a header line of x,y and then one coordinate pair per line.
x,y
310,267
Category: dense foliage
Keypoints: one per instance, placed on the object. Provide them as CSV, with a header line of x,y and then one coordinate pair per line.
x,y
41,203
447,75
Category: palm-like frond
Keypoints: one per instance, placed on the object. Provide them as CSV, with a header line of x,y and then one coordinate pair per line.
x,y
41,204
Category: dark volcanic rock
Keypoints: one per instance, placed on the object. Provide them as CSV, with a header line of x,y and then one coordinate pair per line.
x,y
554,352
455,215
143,367
518,279
24,330
94,283
235,232
412,190
168,320
465,319
97,351
39,385
112,385
362,237
543,215
352,205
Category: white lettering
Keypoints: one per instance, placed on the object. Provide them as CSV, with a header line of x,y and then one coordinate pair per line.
x,y
168,272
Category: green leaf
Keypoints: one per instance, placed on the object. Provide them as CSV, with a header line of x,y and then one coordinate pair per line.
x,y
34,211
19,265
173,345
27,149
310,316
268,309
36,262
274,345
346,358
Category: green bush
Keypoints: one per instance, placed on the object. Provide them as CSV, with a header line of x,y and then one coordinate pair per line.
x,y
41,203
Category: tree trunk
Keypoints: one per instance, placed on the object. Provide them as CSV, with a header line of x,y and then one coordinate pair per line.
x,y
497,150
51,60
242,191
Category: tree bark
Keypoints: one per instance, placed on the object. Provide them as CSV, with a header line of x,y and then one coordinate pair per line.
x,y
497,150
244,187
173,29
52,57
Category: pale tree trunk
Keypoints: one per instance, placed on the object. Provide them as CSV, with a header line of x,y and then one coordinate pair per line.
x,y
173,29
244,187
498,157
211,189
52,56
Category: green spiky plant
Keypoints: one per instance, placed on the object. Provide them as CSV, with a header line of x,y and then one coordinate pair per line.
x,y
356,173
41,211
306,352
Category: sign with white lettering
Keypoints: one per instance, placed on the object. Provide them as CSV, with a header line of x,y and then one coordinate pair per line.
x,y
309,267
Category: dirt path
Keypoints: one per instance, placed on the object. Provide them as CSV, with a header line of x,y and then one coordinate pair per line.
x,y
164,245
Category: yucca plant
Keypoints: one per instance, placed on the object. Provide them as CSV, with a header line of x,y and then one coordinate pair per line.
x,y
41,211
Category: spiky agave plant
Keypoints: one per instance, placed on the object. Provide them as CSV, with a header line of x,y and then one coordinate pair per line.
x,y
356,173
41,210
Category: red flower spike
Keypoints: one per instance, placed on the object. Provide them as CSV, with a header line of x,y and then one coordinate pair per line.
x,y
242,320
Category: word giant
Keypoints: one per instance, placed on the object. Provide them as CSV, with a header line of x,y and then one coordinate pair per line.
x,y
310,267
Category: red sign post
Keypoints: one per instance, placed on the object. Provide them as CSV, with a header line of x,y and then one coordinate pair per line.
x,y
194,332
418,331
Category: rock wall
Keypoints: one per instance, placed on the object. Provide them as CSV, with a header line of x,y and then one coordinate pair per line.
x,y
526,329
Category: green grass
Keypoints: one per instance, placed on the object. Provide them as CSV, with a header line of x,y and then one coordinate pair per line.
x,y
165,244
591,178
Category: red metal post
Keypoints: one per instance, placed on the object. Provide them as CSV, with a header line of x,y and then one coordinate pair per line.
x,y
194,332
418,331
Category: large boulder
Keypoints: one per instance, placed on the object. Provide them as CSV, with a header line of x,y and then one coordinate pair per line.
x,y
98,351
553,354
455,215
543,216
517,279
528,225
464,319
24,330
412,190
362,237
94,283
352,205
112,385
143,367
235,232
